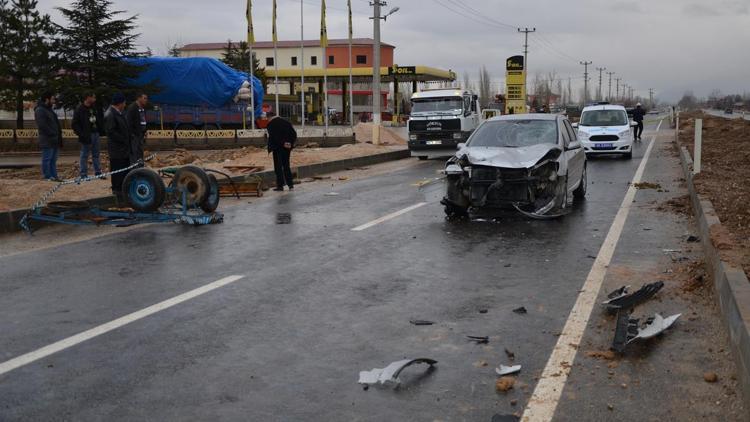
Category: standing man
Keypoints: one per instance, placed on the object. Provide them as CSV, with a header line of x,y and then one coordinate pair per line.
x,y
88,128
136,117
281,139
118,141
50,135
638,118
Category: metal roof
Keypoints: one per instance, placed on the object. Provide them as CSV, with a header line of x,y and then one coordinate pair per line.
x,y
283,44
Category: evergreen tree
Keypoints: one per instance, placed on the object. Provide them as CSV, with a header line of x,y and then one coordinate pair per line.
x,y
237,56
92,47
174,51
25,62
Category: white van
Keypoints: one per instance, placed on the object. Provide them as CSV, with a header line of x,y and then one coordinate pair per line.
x,y
605,129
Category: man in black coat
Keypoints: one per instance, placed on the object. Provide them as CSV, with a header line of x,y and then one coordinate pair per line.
x,y
136,117
87,125
638,114
281,139
118,141
50,135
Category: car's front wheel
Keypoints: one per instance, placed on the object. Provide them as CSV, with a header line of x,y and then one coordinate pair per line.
x,y
580,191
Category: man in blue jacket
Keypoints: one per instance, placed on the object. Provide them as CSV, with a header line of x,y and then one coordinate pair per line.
x,y
50,135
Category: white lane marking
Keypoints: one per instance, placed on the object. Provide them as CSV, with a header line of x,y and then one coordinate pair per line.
x,y
543,402
63,344
388,217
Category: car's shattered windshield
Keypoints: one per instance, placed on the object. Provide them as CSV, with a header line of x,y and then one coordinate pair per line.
x,y
515,133
604,118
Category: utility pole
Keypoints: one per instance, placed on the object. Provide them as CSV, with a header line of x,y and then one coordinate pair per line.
x,y
600,69
609,89
651,97
585,81
617,95
526,61
376,71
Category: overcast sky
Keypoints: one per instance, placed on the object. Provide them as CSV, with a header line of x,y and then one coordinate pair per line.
x,y
668,45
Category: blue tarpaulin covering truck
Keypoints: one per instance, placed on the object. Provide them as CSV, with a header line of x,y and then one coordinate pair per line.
x,y
198,93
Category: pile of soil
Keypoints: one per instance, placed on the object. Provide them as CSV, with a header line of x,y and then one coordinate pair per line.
x,y
725,158
363,133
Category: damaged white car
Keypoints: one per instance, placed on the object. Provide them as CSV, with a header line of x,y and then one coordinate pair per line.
x,y
533,163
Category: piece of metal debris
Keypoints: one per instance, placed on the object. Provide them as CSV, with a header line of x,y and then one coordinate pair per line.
x,y
332,194
628,330
507,370
421,322
479,339
390,373
620,299
541,213
520,310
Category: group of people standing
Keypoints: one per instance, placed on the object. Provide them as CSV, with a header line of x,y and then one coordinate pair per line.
x,y
125,130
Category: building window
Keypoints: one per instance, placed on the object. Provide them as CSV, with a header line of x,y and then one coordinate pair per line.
x,y
294,60
361,59
330,59
314,60
269,61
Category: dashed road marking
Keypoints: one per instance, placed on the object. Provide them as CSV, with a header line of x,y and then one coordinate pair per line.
x,y
388,217
61,345
546,396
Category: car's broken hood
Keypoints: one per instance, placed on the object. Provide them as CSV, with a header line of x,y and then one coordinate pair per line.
x,y
506,157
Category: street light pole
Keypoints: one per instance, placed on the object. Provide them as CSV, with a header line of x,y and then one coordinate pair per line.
x,y
599,94
609,89
376,72
586,81
525,61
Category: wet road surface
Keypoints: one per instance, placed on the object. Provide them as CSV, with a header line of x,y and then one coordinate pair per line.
x,y
316,303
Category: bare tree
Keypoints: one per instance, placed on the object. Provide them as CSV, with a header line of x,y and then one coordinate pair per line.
x,y
485,89
467,82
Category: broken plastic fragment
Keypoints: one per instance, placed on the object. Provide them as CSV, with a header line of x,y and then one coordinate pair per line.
x,y
507,370
390,373
620,299
421,322
655,326
521,310
627,329
479,339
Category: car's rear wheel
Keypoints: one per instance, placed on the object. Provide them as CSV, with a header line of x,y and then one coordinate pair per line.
x,y
580,191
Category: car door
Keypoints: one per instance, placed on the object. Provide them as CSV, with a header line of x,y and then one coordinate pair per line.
x,y
574,154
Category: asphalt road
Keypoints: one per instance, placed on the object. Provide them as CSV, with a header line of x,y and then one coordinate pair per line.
x,y
317,303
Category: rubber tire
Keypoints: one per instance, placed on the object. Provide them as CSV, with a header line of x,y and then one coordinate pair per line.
x,y
195,180
212,200
422,158
144,190
580,191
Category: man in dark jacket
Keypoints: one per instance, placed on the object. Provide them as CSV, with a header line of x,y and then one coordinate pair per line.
x,y
50,135
88,126
638,114
281,139
118,141
136,117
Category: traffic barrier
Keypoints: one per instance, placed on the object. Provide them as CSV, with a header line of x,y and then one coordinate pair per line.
x,y
190,134
220,134
160,134
6,133
69,134
27,133
251,133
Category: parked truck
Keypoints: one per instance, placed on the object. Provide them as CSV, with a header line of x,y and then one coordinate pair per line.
x,y
441,119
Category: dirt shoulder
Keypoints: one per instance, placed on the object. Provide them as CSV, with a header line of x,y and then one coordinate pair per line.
x,y
723,179
21,188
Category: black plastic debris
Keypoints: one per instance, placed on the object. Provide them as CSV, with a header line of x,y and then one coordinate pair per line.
x,y
510,354
479,339
283,218
507,265
520,310
693,238
483,311
620,299
421,322
625,330
505,418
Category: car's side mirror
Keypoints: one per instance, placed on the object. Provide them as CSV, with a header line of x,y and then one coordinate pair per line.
x,y
573,145
575,125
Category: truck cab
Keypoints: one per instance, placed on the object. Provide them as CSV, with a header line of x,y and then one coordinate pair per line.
x,y
440,120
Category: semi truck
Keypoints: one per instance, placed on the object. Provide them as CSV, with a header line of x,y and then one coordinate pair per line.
x,y
441,119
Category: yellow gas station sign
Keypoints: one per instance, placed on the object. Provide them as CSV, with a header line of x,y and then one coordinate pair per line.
x,y
515,92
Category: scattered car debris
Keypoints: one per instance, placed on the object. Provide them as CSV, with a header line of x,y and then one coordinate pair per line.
x,y
520,310
693,238
283,218
479,339
628,330
671,250
507,265
390,373
332,194
483,311
421,322
507,370
620,299
505,418
503,384
509,354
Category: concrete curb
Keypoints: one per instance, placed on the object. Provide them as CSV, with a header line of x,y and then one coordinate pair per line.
x,y
731,283
9,219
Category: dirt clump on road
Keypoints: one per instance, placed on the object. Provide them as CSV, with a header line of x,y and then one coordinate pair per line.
x,y
504,384
647,185
723,179
604,355
679,205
